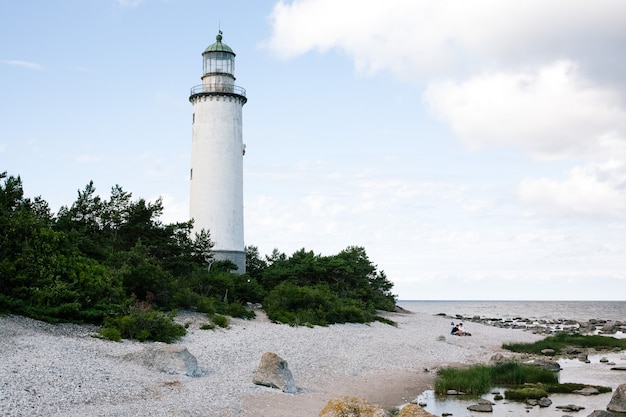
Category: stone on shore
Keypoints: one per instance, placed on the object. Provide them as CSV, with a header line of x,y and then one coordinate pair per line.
x,y
414,410
351,406
618,401
600,413
169,359
273,372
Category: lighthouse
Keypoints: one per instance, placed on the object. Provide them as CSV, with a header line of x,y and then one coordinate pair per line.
x,y
217,149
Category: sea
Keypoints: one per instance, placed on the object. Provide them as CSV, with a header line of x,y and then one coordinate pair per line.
x,y
538,310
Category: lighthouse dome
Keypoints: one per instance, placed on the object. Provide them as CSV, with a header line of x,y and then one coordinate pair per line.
x,y
219,46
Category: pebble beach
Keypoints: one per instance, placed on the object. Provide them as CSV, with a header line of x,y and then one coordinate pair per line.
x,y
62,370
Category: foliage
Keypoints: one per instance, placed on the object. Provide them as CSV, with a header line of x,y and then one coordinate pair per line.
x,y
570,387
525,393
143,323
563,340
84,264
479,379
220,320
309,289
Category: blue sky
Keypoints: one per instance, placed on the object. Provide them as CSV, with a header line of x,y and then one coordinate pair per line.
x,y
475,148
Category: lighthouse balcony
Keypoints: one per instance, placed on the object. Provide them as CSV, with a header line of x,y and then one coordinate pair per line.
x,y
218,88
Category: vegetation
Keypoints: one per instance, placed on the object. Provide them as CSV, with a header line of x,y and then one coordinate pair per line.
x,y
479,379
113,262
561,341
524,381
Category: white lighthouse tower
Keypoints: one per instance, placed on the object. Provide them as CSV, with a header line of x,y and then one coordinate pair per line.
x,y
217,149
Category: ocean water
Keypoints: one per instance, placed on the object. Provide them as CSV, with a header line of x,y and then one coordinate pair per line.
x,y
539,310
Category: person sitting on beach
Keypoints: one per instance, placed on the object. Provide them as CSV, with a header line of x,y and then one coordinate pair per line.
x,y
461,332
455,330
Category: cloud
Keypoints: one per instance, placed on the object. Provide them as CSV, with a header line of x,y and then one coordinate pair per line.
x,y
551,112
593,190
23,64
419,40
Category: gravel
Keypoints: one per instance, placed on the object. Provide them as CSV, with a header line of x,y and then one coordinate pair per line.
x,y
62,370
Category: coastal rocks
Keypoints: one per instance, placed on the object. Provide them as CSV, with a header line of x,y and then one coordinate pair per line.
x,y
413,410
570,407
169,359
483,406
600,413
587,391
351,406
274,372
546,364
618,401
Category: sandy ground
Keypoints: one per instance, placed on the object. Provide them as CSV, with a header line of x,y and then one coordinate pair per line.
x,y
61,370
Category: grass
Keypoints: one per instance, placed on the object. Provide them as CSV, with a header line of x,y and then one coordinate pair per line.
x,y
479,379
561,341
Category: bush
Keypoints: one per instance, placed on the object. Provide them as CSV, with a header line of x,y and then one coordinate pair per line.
x,y
142,323
220,320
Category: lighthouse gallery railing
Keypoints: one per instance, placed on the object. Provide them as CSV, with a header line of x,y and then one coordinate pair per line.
x,y
218,88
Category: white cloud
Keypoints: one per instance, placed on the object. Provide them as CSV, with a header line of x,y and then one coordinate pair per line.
x,y
23,64
598,189
432,38
551,112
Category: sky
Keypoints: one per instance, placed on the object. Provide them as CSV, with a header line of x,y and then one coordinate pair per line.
x,y
475,148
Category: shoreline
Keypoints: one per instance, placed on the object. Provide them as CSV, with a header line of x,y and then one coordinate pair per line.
x,y
61,370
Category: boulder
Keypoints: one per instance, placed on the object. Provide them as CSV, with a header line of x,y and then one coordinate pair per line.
x,y
587,391
413,410
618,401
481,407
546,364
351,406
600,413
544,402
548,352
274,372
169,359
570,407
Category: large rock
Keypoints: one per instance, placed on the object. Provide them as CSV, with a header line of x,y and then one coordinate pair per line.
x,y
600,413
351,407
170,359
414,410
274,372
618,401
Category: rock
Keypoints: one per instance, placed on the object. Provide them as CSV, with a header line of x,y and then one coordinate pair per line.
x,y
454,392
618,368
546,364
170,359
583,357
441,339
570,407
544,402
482,407
548,352
352,406
600,413
604,360
618,401
412,410
274,372
587,391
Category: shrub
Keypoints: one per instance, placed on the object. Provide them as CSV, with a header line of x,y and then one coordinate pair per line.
x,y
142,323
220,320
239,311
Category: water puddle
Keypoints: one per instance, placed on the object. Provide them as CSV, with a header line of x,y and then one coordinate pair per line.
x,y
594,373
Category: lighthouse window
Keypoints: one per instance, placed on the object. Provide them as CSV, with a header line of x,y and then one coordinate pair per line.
x,y
193,118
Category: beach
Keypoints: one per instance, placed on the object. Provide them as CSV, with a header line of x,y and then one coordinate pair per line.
x,y
62,370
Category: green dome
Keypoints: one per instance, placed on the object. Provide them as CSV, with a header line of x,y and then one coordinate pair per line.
x,y
219,46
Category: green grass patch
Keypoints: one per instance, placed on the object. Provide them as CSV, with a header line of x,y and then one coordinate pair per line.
x,y
570,387
561,341
526,393
479,379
